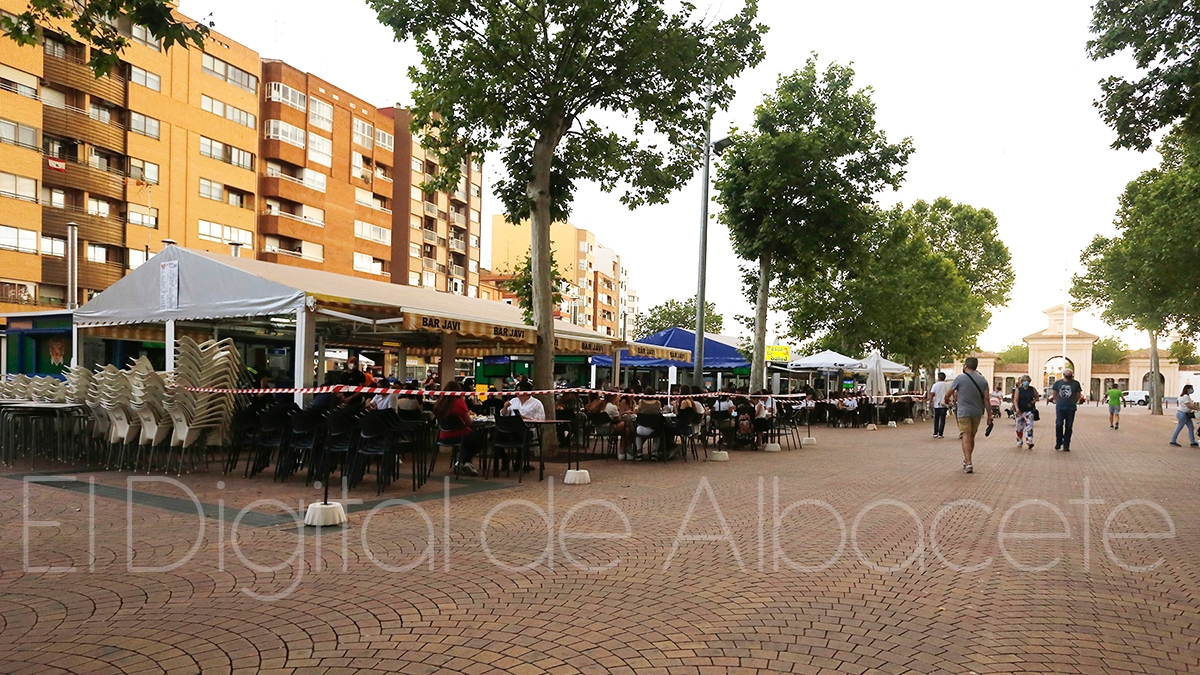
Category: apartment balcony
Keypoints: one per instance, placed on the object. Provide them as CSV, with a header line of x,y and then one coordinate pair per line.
x,y
76,74
458,271
431,209
92,227
276,149
458,219
431,237
459,196
283,256
458,245
429,264
288,225
80,176
94,275
291,189
70,122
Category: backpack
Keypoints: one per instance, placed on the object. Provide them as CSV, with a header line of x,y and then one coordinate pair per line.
x,y
745,424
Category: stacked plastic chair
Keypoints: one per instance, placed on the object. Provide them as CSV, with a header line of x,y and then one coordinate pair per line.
x,y
109,396
209,365
47,390
146,393
79,380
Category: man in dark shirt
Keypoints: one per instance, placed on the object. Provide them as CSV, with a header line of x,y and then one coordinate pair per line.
x,y
1065,396
353,377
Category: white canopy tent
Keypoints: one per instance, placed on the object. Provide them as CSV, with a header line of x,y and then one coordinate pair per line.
x,y
179,284
826,360
876,361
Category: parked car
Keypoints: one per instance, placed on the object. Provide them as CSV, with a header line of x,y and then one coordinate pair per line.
x,y
1137,397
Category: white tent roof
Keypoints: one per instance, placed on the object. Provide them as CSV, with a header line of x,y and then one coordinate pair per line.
x,y
212,286
888,367
826,360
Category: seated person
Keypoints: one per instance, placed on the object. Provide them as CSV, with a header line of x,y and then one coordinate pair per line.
x,y
524,404
453,409
647,406
386,401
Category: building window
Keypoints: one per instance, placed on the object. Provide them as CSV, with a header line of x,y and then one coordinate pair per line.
x,y
14,239
143,216
385,140
367,263
375,233
18,187
232,74
236,198
146,126
281,93
473,265
97,253
54,246
145,78
314,179
414,278
320,114
320,150
224,234
474,241
414,250
137,258
221,109
364,133
428,279
474,215
142,35
54,197
98,207
472,291
14,133
211,189
282,131
418,165
226,153
140,169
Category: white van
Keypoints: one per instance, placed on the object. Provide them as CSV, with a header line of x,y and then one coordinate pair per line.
x,y
1138,397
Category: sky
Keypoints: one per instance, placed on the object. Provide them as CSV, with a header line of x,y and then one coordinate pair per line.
x,y
997,98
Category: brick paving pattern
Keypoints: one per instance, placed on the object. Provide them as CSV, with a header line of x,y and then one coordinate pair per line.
x,y
889,560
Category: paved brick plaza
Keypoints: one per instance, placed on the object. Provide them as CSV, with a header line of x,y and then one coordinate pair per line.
x,y
894,599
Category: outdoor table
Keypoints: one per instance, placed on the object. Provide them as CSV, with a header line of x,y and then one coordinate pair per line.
x,y
12,411
539,425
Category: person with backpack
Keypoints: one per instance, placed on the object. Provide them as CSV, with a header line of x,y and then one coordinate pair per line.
x,y
1025,398
968,393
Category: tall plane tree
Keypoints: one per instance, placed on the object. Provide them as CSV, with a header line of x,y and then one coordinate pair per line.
x,y
796,189
540,81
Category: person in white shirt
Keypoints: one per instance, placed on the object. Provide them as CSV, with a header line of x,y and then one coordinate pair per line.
x,y
525,404
937,395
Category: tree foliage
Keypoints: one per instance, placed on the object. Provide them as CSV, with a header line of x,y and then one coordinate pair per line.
x,y
1109,350
797,188
675,313
1016,353
92,21
1184,353
521,284
969,238
1163,37
1143,277
540,81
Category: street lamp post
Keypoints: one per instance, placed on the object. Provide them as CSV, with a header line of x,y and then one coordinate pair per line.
x,y
698,348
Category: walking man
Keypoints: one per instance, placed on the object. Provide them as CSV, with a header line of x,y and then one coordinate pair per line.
x,y
969,393
1114,407
1025,400
1066,395
937,394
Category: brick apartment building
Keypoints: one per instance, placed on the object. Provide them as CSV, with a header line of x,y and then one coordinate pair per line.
x,y
210,148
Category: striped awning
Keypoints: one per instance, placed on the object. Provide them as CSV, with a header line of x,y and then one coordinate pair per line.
x,y
467,328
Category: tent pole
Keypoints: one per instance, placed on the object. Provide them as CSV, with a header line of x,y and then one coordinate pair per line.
x,y
449,350
170,344
76,348
617,369
302,358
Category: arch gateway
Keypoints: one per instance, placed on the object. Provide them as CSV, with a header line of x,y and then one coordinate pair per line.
x,y
1046,359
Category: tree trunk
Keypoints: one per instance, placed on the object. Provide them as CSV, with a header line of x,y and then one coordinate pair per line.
x,y
1156,393
540,271
758,362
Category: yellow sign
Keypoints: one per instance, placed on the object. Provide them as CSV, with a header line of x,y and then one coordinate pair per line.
x,y
779,353
475,329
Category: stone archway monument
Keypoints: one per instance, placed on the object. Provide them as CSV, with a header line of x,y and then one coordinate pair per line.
x,y
1049,344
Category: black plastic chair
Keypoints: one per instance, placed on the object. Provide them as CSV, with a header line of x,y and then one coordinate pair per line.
x,y
685,423
341,431
374,443
657,424
453,424
272,436
512,434
305,433
602,428
720,424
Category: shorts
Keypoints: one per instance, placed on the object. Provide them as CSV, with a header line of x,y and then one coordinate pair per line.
x,y
969,425
1114,410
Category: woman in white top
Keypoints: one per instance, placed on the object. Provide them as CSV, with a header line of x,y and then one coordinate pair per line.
x,y
1183,417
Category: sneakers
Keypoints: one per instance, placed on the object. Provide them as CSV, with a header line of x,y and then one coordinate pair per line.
x,y
1031,446
1175,445
969,468
1066,448
466,468
1117,425
1058,446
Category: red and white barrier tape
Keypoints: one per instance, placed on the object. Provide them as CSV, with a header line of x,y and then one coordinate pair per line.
x,y
353,389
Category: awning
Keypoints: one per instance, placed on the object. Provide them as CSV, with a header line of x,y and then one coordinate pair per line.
x,y
645,351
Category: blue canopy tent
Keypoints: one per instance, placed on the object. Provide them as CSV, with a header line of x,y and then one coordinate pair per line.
x,y
718,355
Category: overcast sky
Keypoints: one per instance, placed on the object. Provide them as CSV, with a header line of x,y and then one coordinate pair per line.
x,y
997,98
